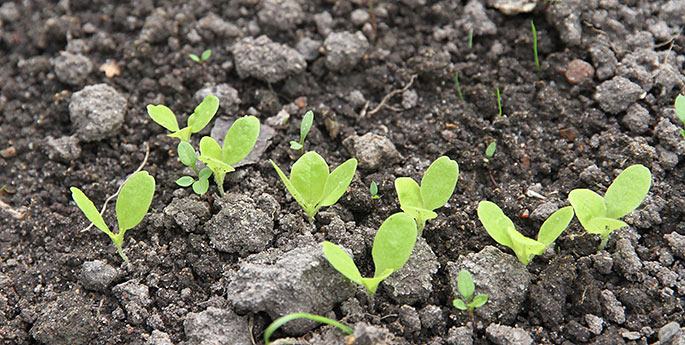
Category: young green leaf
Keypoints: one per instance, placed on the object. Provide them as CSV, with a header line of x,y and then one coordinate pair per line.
x,y
555,225
338,181
194,58
627,191
201,186
587,205
373,189
465,284
134,200
240,139
203,113
206,55
163,116
680,107
309,175
306,125
490,150
185,181
465,287
186,153
205,173
283,319
342,262
495,222
295,145
89,210
479,300
459,304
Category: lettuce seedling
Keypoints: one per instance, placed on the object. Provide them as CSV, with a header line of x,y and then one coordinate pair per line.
x,y
202,58
392,247
312,185
490,151
132,204
600,215
203,113
467,302
239,141
294,316
305,126
502,230
680,111
187,155
437,186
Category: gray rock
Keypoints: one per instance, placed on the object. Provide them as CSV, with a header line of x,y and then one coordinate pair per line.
x,y
9,12
666,277
513,7
344,50
565,16
612,308
72,69
460,336
637,119
413,282
594,323
602,262
626,260
365,334
265,60
604,61
409,319
158,338
309,48
669,331
668,159
216,326
505,335
282,15
221,127
617,94
215,24
360,16
65,149
544,210
672,12
409,99
431,317
242,226
187,213
67,320
135,298
638,66
97,112
478,20
159,25
356,98
324,23
577,332
670,137
677,243
501,276
372,150
97,275
300,280
229,102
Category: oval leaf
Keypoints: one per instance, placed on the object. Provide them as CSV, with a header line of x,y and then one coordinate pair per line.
x,y
465,284
203,113
204,174
163,116
134,200
408,192
206,54
342,262
603,226
186,153
459,304
308,175
438,183
240,139
338,181
495,222
479,300
201,186
394,242
288,185
627,191
306,125
525,248
587,205
210,148
680,107
185,181
89,210
555,225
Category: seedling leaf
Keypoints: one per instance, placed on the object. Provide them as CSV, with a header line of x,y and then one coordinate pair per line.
x,y
204,174
185,181
89,210
394,243
479,300
306,125
338,181
201,186
465,284
183,134
240,139
627,191
373,189
459,304
210,148
163,116
495,222
587,205
371,283
525,248
194,58
203,113
295,145
309,175
206,55
680,107
555,225
408,192
490,150
289,185
438,182
342,262
134,200
603,226
283,319
186,153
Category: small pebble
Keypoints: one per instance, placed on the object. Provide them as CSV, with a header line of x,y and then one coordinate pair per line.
x,y
578,71
667,332
8,152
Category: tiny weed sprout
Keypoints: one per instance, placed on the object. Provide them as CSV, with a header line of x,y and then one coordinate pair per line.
x,y
471,38
238,142
305,126
392,247
535,45
456,82
490,151
203,113
680,111
437,186
312,185
202,58
373,189
294,316
600,215
132,204
499,102
187,155
502,230
468,302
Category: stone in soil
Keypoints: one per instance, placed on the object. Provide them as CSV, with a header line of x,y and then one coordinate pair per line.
x,y
135,298
67,320
501,276
579,71
548,295
300,280
282,15
372,151
604,60
265,60
617,94
97,275
187,213
158,337
612,308
637,119
72,69
409,319
505,335
229,102
97,112
626,260
344,50
677,243
216,326
670,137
65,149
413,282
478,20
460,336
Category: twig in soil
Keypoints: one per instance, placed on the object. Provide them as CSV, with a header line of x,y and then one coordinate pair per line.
x,y
19,213
251,320
385,100
142,165
373,20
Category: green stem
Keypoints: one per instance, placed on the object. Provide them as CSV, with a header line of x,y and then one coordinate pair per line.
x,y
283,319
535,45
603,244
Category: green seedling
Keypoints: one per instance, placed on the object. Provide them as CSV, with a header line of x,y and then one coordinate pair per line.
x,y
680,111
468,302
238,142
305,126
456,82
312,185
203,113
294,316
490,151
499,102
202,58
471,38
392,247
535,45
132,204
600,215
373,189
437,186
502,230
187,155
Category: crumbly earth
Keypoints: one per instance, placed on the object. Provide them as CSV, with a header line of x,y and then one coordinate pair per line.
x,y
601,101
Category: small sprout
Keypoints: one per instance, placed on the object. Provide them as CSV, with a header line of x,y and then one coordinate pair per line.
x,y
239,141
600,215
437,186
471,38
202,115
392,247
535,45
490,151
294,316
202,58
187,155
312,185
468,302
680,111
502,230
499,102
373,189
132,204
456,82
305,126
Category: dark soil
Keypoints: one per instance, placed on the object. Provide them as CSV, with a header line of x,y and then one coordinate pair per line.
x,y
553,137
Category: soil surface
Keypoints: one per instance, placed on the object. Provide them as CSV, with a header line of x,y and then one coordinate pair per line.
x,y
601,100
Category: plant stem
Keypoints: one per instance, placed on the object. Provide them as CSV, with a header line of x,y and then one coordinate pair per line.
x,y
470,38
373,19
499,102
603,244
456,81
473,320
535,45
